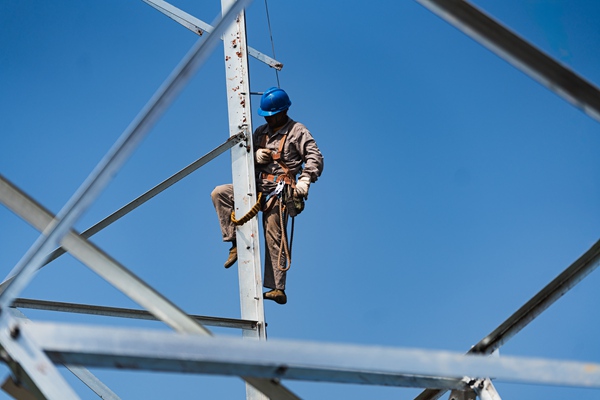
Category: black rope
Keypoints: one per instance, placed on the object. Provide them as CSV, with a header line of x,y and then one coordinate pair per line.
x,y
272,43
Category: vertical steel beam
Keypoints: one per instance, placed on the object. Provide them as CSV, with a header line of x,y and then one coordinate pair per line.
x,y
244,185
95,183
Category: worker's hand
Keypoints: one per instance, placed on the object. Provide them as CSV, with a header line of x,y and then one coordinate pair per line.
x,y
302,186
263,156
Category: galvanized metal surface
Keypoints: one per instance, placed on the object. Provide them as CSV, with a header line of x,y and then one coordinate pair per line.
x,y
560,285
482,388
89,379
126,313
485,390
100,262
112,161
244,185
462,395
553,291
124,280
557,78
115,273
286,359
24,353
199,27
526,57
132,205
40,375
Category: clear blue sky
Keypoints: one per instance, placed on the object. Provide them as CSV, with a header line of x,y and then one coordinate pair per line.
x,y
455,187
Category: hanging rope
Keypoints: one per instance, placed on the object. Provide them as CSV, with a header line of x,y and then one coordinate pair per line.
x,y
284,243
250,214
272,43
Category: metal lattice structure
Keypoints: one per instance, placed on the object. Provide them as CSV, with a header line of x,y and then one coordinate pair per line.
x,y
32,350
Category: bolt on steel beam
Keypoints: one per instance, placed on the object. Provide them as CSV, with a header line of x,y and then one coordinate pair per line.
x,y
553,291
84,375
297,360
199,27
31,262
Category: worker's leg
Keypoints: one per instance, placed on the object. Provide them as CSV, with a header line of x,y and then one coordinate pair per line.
x,y
222,198
274,277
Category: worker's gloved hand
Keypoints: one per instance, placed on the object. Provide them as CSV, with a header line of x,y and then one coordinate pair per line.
x,y
263,156
302,186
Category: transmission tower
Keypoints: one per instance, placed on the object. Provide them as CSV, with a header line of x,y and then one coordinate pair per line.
x,y
32,350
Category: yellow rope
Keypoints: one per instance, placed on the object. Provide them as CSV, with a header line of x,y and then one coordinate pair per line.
x,y
250,214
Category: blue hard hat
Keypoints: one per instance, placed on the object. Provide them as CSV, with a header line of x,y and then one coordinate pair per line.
x,y
274,100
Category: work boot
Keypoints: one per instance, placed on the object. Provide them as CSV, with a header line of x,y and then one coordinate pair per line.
x,y
232,256
277,295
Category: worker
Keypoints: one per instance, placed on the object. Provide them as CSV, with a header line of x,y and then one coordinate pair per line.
x,y
286,159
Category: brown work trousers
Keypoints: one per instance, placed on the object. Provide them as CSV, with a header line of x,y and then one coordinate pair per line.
x,y
274,277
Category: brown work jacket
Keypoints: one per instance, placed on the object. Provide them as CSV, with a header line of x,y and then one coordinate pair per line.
x,y
300,154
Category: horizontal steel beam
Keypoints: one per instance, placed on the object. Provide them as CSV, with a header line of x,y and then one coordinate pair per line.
x,y
103,173
126,313
307,361
524,56
100,262
199,27
30,363
89,379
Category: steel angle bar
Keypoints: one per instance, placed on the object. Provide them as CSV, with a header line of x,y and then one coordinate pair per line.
x,y
235,50
164,351
560,285
113,160
199,27
298,360
30,363
121,278
524,56
101,263
485,389
553,291
125,313
132,205
89,379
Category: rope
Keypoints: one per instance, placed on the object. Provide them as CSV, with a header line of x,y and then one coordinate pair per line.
x,y
272,43
250,214
283,241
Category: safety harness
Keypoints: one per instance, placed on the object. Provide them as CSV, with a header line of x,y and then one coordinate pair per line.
x,y
283,194
287,177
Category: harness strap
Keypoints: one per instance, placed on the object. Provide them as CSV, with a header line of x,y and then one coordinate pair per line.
x,y
278,178
290,180
287,176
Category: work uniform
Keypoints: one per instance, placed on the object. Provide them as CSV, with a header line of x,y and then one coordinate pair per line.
x,y
301,156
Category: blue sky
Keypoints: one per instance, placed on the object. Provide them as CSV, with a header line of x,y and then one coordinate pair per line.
x,y
455,187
